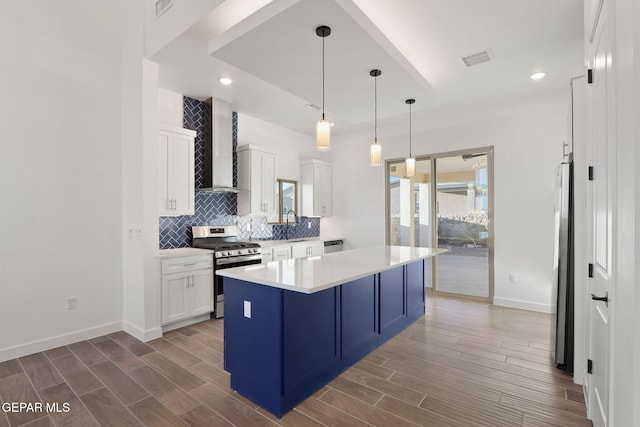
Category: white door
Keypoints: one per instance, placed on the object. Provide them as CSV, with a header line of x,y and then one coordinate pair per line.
x,y
602,149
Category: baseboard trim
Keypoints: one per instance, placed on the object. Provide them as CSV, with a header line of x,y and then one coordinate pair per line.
x,y
57,341
525,305
186,322
143,336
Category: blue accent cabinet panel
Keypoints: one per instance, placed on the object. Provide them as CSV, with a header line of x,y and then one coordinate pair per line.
x,y
414,278
253,346
393,303
359,318
311,338
287,345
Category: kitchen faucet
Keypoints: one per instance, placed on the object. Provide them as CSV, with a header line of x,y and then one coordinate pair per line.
x,y
286,230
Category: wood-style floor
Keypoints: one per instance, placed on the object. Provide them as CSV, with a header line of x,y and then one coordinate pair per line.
x,y
464,364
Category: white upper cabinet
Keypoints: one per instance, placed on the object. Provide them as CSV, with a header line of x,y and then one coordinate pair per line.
x,y
257,182
176,171
316,188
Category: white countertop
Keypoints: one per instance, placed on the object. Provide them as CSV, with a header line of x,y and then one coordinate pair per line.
x,y
178,252
313,274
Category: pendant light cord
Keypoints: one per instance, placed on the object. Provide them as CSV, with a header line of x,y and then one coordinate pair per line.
x,y
323,78
375,108
410,130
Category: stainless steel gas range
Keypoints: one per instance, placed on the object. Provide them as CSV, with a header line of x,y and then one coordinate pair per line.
x,y
228,252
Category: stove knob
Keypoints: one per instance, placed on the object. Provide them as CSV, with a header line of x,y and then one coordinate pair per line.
x,y
225,253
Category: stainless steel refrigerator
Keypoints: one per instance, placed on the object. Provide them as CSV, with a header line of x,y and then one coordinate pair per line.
x,y
562,331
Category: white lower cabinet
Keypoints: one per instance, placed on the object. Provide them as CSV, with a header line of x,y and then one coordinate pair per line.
x,y
302,249
307,248
281,253
187,287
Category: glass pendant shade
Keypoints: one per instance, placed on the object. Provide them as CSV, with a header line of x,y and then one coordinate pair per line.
x,y
324,135
376,154
410,163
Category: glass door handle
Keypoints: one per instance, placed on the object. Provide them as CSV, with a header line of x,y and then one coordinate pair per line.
x,y
605,298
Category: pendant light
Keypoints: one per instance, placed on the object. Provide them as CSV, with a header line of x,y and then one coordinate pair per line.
x,y
376,148
324,126
410,161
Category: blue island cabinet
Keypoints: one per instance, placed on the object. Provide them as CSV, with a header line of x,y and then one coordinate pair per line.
x,y
282,346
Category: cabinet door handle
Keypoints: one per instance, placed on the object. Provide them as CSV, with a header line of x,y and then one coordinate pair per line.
x,y
187,265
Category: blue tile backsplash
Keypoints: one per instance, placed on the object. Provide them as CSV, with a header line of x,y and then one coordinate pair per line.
x,y
221,208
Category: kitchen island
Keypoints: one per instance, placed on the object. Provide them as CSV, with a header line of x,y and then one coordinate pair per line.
x,y
292,326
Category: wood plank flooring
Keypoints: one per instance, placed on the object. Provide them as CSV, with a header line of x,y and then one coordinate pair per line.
x,y
464,364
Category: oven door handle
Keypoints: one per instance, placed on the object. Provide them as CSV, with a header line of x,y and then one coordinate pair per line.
x,y
236,260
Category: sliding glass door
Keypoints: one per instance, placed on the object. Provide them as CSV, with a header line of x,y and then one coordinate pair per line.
x,y
410,218
448,204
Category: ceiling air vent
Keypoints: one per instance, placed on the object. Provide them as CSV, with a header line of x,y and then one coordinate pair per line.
x,y
162,6
476,58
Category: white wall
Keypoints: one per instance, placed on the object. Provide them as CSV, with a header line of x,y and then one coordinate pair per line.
x,y
181,16
170,108
60,172
528,147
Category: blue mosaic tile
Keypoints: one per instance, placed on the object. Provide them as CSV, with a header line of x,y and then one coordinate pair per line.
x,y
197,117
305,227
234,139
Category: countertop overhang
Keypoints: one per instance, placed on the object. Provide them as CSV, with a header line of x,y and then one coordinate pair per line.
x,y
314,274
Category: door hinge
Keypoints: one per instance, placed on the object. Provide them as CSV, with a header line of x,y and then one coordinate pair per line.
x,y
590,173
590,270
589,366
589,76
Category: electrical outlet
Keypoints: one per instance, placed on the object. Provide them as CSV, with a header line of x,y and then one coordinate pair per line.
x,y
309,225
71,303
249,227
513,278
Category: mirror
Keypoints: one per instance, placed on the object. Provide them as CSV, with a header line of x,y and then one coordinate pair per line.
x,y
287,199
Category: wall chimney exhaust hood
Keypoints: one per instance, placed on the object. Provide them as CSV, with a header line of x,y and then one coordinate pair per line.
x,y
218,166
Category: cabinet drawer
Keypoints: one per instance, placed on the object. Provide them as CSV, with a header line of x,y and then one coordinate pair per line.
x,y
188,263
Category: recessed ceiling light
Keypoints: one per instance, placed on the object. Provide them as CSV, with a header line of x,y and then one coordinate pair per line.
x,y
225,81
537,76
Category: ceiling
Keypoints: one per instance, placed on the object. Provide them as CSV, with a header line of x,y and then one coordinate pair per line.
x,y
274,57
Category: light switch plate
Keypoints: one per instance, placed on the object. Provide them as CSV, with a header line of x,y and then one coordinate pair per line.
x,y
247,309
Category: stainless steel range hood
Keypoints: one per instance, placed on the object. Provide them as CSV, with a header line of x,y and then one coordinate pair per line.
x,y
218,169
